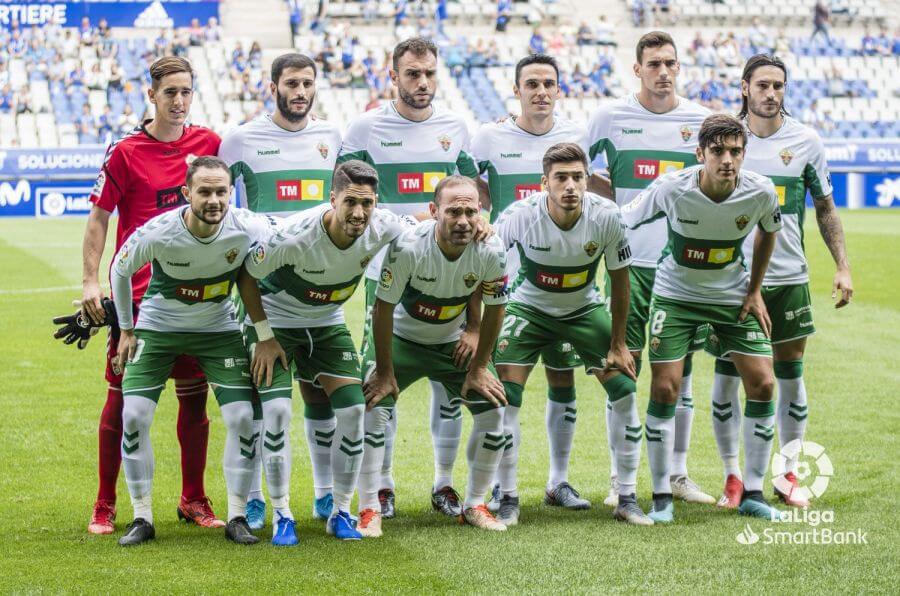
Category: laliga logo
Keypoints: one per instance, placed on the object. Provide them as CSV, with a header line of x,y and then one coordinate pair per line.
x,y
748,536
812,463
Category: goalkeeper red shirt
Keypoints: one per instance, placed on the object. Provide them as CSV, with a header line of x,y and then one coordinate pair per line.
x,y
142,177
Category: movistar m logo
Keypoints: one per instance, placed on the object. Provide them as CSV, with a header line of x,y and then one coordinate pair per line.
x,y
632,131
268,151
391,143
511,155
540,248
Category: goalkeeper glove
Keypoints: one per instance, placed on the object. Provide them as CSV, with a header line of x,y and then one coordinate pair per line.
x,y
79,328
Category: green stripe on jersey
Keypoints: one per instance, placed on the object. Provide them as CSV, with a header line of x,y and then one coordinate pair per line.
x,y
556,278
696,253
430,309
286,279
191,291
410,182
637,168
506,189
284,190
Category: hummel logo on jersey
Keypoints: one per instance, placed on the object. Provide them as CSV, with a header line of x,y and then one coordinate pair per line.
x,y
511,155
649,169
185,264
693,222
426,279
261,152
391,143
632,131
526,190
416,182
716,256
317,272
540,248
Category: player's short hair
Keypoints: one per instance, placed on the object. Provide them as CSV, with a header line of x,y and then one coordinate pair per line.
x,y
752,64
718,127
210,162
291,60
418,46
563,153
354,171
453,180
536,59
653,39
163,67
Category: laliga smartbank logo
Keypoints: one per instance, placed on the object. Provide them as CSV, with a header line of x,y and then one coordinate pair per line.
x,y
813,471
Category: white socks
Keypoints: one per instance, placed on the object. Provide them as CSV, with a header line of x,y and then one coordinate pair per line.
x,y
684,418
390,433
369,483
276,453
625,430
446,432
660,432
726,416
792,407
508,467
319,423
240,450
483,453
137,453
560,421
347,450
759,429
256,485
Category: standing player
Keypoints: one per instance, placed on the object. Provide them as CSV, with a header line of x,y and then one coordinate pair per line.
x,y
432,271
282,164
643,136
196,252
561,235
142,177
701,279
793,157
307,271
511,152
412,145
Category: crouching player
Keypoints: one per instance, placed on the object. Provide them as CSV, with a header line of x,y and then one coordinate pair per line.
x,y
710,209
306,272
196,254
431,271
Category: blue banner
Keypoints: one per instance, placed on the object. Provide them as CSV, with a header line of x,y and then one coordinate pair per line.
x,y
74,162
882,190
56,198
157,14
879,155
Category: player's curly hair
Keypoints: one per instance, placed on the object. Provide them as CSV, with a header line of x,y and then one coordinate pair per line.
x,y
752,64
563,153
719,127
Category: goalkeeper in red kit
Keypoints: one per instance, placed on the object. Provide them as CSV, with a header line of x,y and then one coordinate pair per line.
x,y
142,177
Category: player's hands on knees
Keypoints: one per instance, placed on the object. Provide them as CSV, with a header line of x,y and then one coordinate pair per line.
x,y
754,305
843,285
464,349
91,304
378,386
262,365
483,230
482,381
619,358
127,346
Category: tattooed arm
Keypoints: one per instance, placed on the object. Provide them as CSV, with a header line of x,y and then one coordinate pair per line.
x,y
833,234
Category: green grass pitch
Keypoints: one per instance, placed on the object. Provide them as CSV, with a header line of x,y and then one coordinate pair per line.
x,y
51,397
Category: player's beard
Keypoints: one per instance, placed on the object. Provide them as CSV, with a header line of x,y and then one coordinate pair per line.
x,y
284,107
199,215
410,99
755,108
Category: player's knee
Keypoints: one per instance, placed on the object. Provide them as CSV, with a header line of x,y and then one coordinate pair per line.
x,y
664,390
489,421
238,417
376,420
137,413
277,413
560,378
760,388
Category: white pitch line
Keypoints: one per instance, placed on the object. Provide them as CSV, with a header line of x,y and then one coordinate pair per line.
x,y
41,290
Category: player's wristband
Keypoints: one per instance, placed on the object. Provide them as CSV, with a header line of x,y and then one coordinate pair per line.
x,y
263,330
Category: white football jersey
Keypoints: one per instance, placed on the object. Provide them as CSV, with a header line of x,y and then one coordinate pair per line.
x,y
431,292
641,145
703,258
279,171
794,159
305,278
191,277
559,267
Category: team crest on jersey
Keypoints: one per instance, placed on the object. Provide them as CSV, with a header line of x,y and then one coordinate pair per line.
x,y
123,254
470,279
591,248
99,184
504,343
387,278
786,156
323,149
231,255
258,254
654,343
365,261
741,221
445,142
686,133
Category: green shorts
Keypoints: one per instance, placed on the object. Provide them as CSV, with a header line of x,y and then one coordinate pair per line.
x,y
790,309
413,361
526,332
222,357
314,351
674,324
642,279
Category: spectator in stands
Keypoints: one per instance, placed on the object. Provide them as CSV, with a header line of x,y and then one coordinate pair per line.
x,y
895,47
295,7
339,77
4,73
693,87
455,60
70,45
75,78
705,55
23,100
834,82
504,13
95,80
812,115
425,28
638,11
87,126
254,57
759,37
107,46
584,36
370,11
195,32
884,45
664,7
107,126
128,120
17,45
404,30
213,31
440,16
604,35
7,99
536,44
161,44
358,75
56,71
821,20
86,32
868,44
103,27
399,13
728,51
